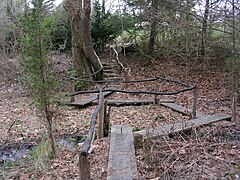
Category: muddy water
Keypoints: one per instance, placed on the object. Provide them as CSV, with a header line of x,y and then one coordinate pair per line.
x,y
14,152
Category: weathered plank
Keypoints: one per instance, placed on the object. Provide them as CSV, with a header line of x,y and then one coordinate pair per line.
x,y
101,117
122,161
134,102
181,126
181,109
86,101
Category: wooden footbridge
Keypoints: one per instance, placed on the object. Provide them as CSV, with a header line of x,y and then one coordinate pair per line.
x,y
122,161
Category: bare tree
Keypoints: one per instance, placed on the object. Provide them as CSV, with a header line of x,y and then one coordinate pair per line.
x,y
234,64
204,29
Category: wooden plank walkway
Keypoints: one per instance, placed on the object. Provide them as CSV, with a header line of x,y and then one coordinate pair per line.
x,y
86,101
180,109
134,102
181,126
122,162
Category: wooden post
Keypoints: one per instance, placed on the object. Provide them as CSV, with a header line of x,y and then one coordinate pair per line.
x,y
72,99
138,141
157,89
101,121
106,119
234,110
110,52
84,167
156,99
194,110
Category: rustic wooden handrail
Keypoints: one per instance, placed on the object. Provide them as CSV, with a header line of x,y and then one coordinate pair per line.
x,y
136,92
90,136
156,92
132,81
84,165
118,61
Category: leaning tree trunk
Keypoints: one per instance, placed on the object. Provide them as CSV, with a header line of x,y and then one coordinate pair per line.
x,y
89,50
81,63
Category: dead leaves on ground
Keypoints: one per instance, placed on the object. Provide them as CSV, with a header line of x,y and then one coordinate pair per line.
x,y
187,157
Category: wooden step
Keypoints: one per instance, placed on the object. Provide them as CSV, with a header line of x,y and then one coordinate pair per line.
x,y
108,70
122,161
115,78
180,126
111,75
108,67
107,63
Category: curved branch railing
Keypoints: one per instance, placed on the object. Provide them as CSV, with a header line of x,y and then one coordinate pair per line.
x,y
90,136
84,165
136,92
130,81
117,60
189,87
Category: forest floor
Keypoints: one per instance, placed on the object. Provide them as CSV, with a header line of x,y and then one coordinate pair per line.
x,y
210,152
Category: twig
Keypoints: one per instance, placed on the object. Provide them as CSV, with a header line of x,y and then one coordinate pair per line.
x,y
8,131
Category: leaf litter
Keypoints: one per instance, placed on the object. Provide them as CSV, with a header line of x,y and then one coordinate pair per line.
x,y
210,152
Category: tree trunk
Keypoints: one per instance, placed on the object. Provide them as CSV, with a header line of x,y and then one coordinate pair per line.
x,y
103,43
204,30
74,10
153,32
89,50
152,37
234,65
48,119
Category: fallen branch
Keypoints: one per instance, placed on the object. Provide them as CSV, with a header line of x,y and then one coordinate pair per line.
x,y
6,134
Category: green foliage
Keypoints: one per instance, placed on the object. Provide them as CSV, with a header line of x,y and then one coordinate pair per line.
x,y
41,154
105,27
61,31
159,118
83,138
35,27
137,129
79,85
229,63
